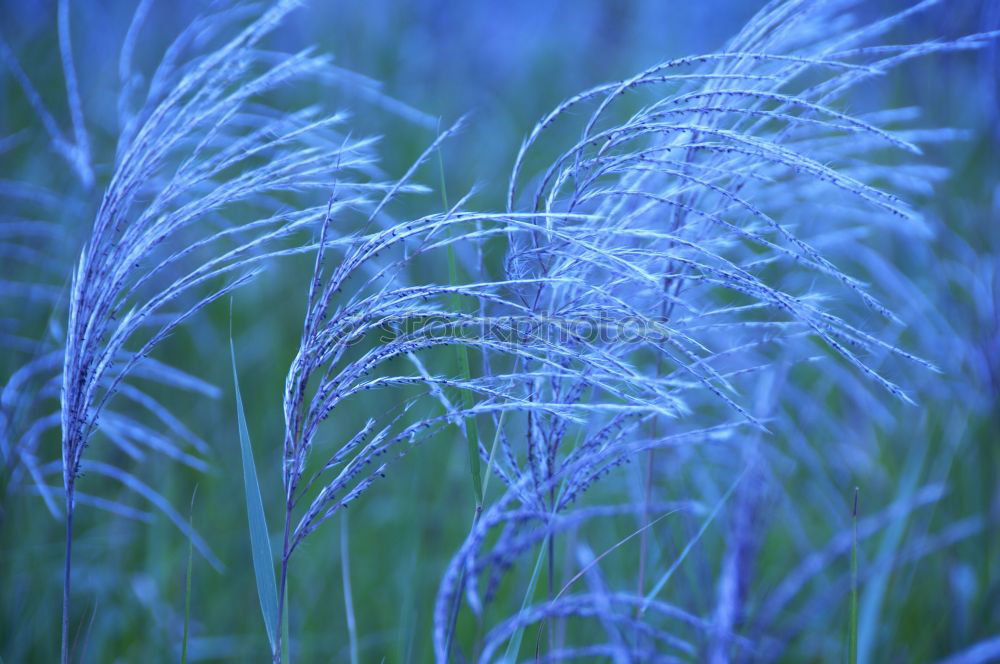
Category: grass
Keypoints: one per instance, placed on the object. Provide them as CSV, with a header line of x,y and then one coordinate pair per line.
x,y
464,369
852,647
754,213
260,538
345,568
187,585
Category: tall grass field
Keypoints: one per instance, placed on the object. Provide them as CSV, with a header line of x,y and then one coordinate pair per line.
x,y
436,331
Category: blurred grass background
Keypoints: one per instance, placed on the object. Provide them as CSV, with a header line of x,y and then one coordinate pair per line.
x,y
508,64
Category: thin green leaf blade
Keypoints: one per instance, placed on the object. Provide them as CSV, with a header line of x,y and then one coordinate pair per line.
x,y
468,403
187,585
871,601
462,353
651,595
514,643
493,450
260,542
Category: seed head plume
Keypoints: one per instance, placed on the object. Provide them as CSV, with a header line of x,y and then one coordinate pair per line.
x,y
696,232
165,243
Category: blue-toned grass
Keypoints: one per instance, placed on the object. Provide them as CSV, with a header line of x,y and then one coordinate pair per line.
x,y
721,258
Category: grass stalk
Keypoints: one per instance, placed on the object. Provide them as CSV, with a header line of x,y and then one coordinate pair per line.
x,y
852,656
187,585
283,645
345,571
67,574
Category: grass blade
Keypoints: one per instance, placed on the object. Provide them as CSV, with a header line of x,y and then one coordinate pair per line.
x,y
468,402
187,585
870,619
690,545
260,542
514,644
493,450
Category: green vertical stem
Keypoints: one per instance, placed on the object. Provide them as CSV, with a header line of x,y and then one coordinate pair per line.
x,y
345,571
67,573
187,584
853,645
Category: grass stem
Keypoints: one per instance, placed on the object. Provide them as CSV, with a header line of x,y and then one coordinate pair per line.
x,y
852,656
67,573
345,570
